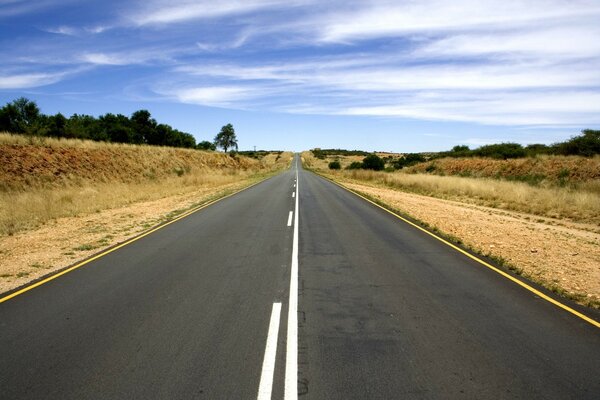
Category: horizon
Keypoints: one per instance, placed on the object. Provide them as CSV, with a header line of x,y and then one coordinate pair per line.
x,y
391,77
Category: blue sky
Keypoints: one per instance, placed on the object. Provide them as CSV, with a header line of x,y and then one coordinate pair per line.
x,y
298,74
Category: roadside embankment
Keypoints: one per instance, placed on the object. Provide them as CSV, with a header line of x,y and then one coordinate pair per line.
x,y
63,200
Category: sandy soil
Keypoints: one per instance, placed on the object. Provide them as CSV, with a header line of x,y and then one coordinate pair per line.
x,y
59,243
561,255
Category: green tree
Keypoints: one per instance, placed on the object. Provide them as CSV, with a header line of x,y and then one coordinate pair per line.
x,y
56,125
145,127
206,145
20,116
374,162
226,138
587,144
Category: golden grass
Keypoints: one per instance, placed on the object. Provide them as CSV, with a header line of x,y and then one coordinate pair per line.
x,y
20,210
556,202
540,169
579,204
53,178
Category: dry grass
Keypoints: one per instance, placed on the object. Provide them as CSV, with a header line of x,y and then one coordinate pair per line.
x,y
537,170
575,203
41,180
555,202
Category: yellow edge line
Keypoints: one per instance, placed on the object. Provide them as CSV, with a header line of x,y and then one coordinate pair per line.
x,y
99,255
480,261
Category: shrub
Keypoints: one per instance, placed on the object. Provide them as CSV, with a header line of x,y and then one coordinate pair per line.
x,y
501,151
318,154
587,144
335,165
407,160
355,165
374,162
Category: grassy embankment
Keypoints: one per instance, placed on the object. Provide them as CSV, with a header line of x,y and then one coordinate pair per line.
x,y
64,200
550,186
44,180
539,217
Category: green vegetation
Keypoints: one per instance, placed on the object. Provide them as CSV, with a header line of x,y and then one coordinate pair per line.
x,y
206,145
226,138
374,162
407,160
23,116
322,153
587,144
335,165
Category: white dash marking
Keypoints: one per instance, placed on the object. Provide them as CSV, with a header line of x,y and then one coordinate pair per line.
x,y
291,357
293,194
268,368
290,218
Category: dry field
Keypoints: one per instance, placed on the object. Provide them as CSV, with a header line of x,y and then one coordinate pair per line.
x,y
62,200
540,170
551,235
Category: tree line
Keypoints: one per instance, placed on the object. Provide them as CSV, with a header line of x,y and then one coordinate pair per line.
x,y
23,116
586,144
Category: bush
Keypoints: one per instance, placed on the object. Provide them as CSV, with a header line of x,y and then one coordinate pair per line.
x,y
587,144
374,162
318,154
335,165
501,151
206,145
355,165
407,160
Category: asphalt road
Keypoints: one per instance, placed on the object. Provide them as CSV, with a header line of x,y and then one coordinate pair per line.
x,y
340,300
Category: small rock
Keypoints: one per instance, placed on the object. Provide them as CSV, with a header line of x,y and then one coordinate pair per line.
x,y
533,250
575,254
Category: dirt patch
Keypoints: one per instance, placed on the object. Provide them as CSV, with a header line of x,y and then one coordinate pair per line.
x,y
61,242
561,255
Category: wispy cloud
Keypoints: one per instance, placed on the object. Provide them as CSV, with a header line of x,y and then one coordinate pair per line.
x,y
166,12
506,63
23,81
9,8
385,19
63,30
216,96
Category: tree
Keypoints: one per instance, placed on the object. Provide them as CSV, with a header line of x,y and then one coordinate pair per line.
x,y
587,144
226,138
20,116
56,125
206,145
374,162
145,127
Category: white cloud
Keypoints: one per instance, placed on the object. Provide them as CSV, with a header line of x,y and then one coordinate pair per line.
x,y
509,108
562,42
166,12
390,18
218,96
63,30
23,81
105,59
123,57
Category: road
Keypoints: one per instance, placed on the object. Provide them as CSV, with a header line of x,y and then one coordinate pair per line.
x,y
252,298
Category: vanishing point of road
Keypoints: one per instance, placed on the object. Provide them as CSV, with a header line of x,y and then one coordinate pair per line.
x,y
292,288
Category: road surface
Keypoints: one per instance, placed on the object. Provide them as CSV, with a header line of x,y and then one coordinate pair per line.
x,y
254,298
